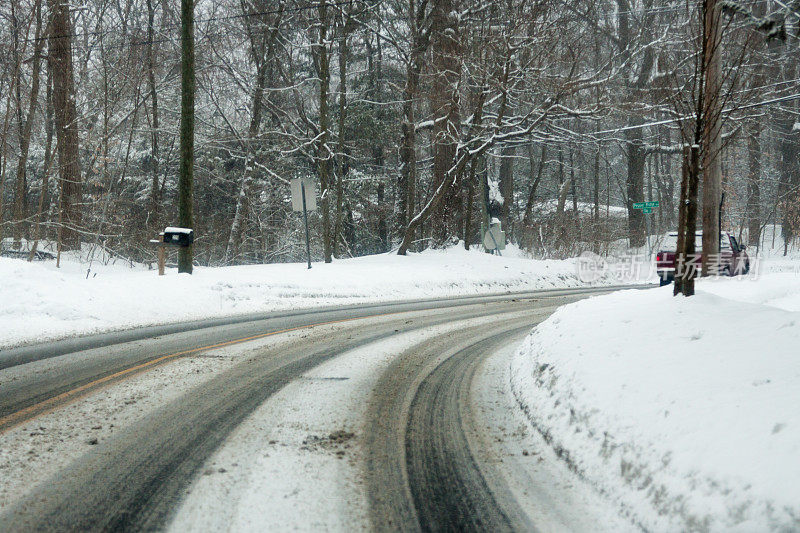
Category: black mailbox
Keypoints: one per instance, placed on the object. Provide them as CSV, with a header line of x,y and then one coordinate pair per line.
x,y
178,236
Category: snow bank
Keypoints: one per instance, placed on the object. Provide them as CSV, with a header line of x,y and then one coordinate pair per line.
x,y
585,208
682,411
39,302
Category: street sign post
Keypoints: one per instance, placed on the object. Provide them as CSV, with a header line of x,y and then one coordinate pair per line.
x,y
647,209
304,199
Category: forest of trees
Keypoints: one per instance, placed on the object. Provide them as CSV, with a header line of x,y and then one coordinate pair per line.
x,y
419,120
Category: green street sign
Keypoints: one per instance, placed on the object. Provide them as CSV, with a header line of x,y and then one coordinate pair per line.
x,y
645,205
651,204
638,205
647,210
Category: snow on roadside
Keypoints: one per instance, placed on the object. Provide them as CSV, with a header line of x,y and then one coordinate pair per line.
x,y
541,484
684,411
39,302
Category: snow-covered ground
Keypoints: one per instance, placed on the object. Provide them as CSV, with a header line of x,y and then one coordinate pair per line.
x,y
683,411
585,208
40,302
296,463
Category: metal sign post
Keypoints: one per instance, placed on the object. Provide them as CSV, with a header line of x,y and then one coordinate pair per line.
x,y
305,220
304,199
647,209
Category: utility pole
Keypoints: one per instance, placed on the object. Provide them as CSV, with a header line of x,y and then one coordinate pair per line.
x,y
186,178
712,127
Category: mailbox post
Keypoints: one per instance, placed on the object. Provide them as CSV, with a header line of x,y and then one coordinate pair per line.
x,y
171,236
161,253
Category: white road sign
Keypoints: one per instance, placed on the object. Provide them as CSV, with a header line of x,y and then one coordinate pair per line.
x,y
494,238
297,184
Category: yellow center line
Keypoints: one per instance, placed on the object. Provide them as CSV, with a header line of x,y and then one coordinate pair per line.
x,y
65,398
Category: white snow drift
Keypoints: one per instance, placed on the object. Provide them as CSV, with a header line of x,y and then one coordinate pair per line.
x,y
684,411
39,302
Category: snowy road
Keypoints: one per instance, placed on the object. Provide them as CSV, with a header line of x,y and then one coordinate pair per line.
x,y
421,469
118,436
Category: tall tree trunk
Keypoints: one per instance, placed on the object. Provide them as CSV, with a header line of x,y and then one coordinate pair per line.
x,y
445,108
467,236
561,222
60,57
4,153
186,176
462,159
245,186
25,139
377,146
685,272
323,152
44,198
342,165
753,183
634,136
712,140
155,195
596,198
573,190
261,52
383,230
507,154
526,220
407,180
635,184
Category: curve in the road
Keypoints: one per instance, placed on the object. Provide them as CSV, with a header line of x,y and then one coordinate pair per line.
x,y
421,472
69,369
133,481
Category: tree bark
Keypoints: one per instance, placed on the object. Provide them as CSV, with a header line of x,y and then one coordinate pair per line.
x,y
561,222
526,220
687,225
322,149
507,188
445,107
342,165
407,180
634,136
44,199
186,175
155,195
470,202
635,183
60,56
753,183
712,141
261,53
25,140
